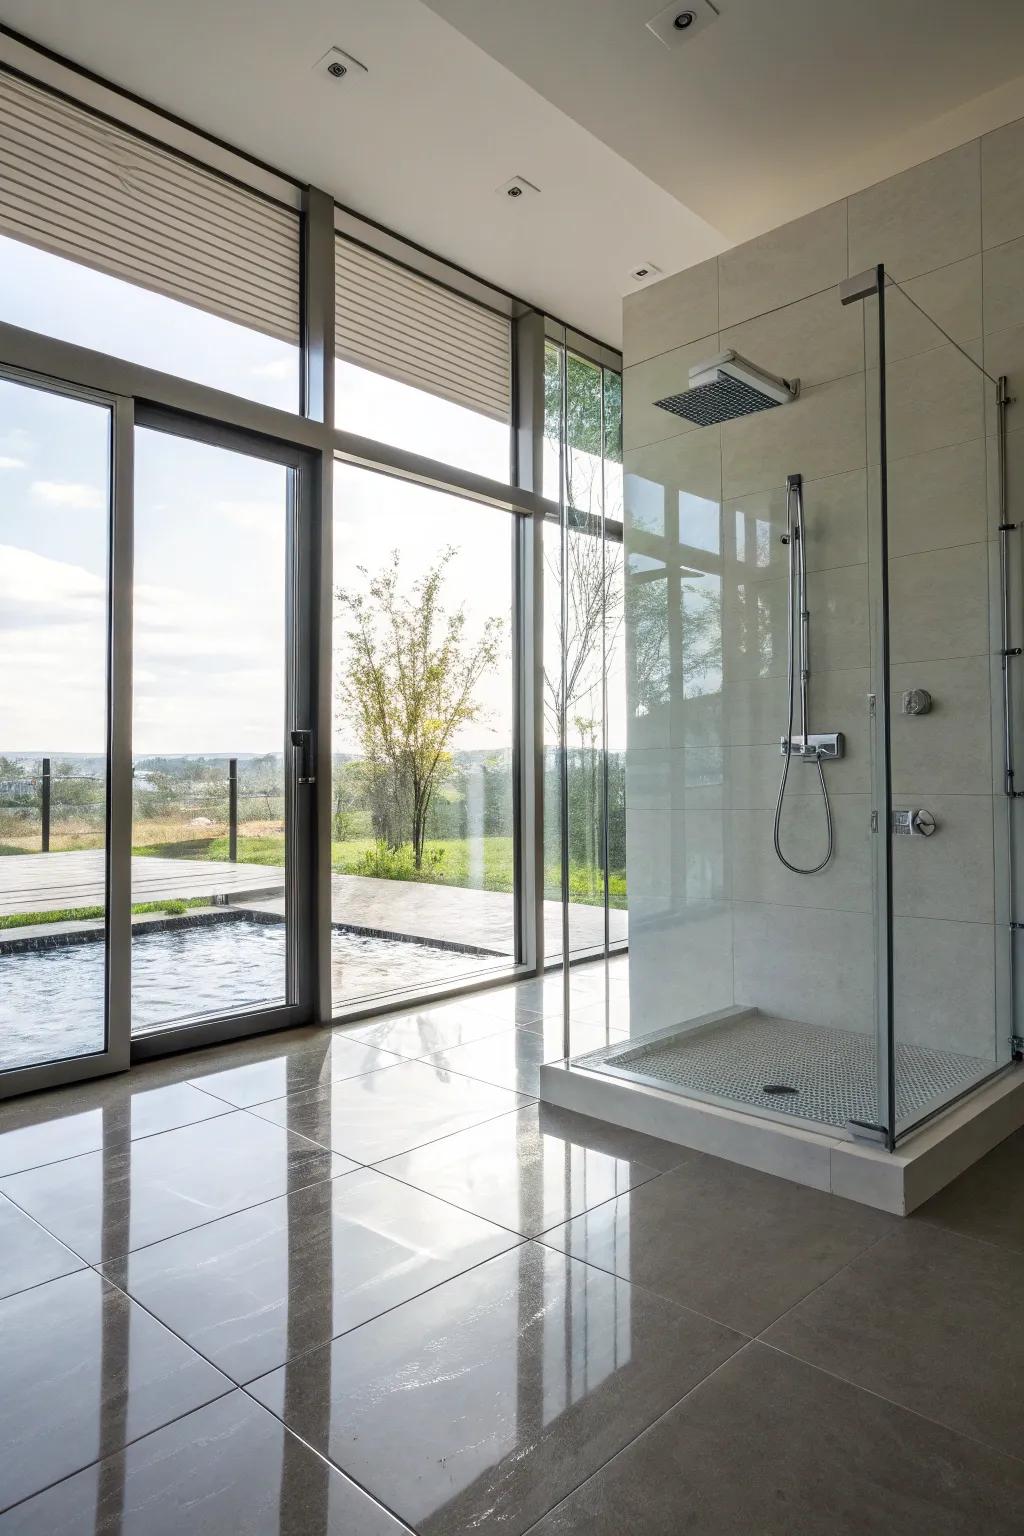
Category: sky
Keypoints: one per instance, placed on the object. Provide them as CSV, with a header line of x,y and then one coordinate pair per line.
x,y
210,548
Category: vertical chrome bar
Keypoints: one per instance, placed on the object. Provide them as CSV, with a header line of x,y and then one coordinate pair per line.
x,y
883,688
119,736
1009,781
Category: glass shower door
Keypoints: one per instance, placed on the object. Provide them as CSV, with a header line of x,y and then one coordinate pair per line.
x,y
953,552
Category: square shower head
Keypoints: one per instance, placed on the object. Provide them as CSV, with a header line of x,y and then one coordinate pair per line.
x,y
728,386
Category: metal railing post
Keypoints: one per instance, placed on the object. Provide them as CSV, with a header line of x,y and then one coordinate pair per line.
x,y
233,809
45,805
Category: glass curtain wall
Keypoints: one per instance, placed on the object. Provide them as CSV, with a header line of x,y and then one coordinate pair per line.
x,y
584,660
422,821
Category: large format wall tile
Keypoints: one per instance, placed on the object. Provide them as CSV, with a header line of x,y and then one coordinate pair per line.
x,y
670,313
933,399
689,463
756,620
945,985
938,604
785,264
923,218
814,966
950,874
813,339
1004,286
937,498
821,433
948,750
643,383
835,513
845,884
1002,184
926,311
681,967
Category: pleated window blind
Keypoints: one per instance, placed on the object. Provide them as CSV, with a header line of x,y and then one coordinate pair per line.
x,y
399,324
94,193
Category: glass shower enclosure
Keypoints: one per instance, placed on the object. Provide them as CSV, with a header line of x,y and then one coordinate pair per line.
x,y
840,956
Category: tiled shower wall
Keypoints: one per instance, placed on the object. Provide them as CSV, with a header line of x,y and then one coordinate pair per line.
x,y
714,918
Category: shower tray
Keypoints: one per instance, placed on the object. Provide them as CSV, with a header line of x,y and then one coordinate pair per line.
x,y
833,1071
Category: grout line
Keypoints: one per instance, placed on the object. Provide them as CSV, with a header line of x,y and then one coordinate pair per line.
x,y
949,1429
640,1434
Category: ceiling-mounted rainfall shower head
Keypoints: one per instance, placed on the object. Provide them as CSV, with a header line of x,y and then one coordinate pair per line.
x,y
727,386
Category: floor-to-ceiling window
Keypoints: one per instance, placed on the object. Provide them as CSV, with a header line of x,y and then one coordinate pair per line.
x,y
233,794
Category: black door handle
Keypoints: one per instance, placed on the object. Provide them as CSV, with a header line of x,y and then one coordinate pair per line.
x,y
303,741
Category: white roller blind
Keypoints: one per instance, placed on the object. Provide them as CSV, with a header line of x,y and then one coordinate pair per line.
x,y
81,188
410,329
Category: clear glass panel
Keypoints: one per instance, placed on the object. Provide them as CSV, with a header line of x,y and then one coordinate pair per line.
x,y
950,850
423,835
210,820
397,413
54,544
75,303
759,980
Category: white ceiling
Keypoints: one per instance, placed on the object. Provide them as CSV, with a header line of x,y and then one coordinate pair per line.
x,y
642,154
420,144
777,106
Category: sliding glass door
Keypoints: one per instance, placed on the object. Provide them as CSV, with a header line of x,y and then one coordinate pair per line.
x,y
60,1015
221,739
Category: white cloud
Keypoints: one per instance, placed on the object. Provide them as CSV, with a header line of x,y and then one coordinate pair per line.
x,y
280,368
10,463
68,493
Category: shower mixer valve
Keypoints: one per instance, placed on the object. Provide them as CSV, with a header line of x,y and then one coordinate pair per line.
x,y
814,747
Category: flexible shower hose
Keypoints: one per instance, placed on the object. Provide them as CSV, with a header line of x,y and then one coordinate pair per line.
x,y
794,538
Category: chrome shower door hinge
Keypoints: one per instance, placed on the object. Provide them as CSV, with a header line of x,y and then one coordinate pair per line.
x,y
874,821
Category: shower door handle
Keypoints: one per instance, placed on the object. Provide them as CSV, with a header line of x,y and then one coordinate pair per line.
x,y
914,823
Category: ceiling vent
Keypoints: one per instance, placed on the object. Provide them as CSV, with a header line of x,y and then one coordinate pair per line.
x,y
516,188
337,65
645,272
676,24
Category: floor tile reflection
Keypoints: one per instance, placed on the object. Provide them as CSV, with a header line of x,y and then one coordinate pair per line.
x,y
481,1403
105,1203
83,1370
384,1113
740,1245
426,1030
228,1467
771,1446
255,1289
530,1170
28,1255
45,1127
327,1058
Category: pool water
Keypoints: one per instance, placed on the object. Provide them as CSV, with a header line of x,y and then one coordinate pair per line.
x,y
51,1000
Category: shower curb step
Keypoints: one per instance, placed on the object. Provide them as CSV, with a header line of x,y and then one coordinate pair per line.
x,y
897,1182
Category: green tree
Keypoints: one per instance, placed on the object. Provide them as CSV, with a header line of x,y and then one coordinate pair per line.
x,y
409,676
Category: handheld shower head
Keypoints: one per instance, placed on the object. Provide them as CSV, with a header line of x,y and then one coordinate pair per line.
x,y
728,386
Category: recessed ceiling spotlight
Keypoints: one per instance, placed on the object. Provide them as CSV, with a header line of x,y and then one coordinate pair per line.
x,y
677,23
644,272
515,188
336,64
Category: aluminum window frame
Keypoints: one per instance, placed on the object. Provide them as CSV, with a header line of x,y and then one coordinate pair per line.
x,y
310,433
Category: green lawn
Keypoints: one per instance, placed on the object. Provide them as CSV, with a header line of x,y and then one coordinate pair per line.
x,y
451,862
171,907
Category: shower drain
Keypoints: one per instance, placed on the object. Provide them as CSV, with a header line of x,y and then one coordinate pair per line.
x,y
779,1088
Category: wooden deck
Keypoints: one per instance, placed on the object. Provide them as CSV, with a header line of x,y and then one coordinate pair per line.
x,y
48,882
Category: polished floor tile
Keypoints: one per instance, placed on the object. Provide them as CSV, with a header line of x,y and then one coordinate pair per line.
x,y
227,1468
83,1370
46,1127
482,1403
925,1320
105,1203
384,1113
769,1447
296,1068
425,1031
532,1169
739,1245
505,1008
28,1255
254,1289
511,1059
583,1037
987,1201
